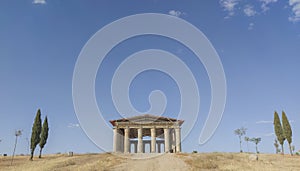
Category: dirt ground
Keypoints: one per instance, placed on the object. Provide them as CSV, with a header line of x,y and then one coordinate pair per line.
x,y
155,162
152,162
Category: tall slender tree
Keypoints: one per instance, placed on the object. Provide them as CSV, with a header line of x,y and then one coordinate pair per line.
x,y
44,135
17,134
35,134
247,139
279,131
256,141
240,132
287,130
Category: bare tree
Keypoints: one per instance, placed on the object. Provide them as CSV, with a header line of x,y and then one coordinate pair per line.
x,y
247,139
17,134
256,141
240,132
293,149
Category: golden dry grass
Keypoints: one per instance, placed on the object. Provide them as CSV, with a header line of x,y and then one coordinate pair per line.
x,y
61,162
193,162
241,161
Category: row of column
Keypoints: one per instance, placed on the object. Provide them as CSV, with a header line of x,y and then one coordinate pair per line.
x,y
152,150
121,144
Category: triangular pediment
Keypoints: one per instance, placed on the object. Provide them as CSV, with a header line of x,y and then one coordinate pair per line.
x,y
145,118
150,118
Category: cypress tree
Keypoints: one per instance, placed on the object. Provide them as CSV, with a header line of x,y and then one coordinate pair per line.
x,y
287,130
279,131
35,134
44,135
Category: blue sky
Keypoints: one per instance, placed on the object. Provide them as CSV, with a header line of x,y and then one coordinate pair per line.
x,y
257,41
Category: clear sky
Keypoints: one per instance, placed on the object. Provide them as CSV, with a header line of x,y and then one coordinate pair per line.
x,y
257,41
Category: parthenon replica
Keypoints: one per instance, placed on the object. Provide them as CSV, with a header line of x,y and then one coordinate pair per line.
x,y
130,134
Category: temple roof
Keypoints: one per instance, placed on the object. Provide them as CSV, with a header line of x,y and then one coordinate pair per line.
x,y
146,118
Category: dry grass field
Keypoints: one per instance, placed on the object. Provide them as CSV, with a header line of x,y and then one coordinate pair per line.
x,y
184,161
239,162
61,162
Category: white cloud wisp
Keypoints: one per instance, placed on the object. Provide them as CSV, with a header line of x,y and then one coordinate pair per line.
x,y
295,4
176,13
229,6
39,2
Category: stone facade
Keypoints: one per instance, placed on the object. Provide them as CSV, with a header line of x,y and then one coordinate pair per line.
x,y
129,133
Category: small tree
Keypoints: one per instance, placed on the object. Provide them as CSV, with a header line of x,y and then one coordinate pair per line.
x,y
276,146
256,141
44,135
293,149
35,134
279,131
247,139
17,134
287,130
240,132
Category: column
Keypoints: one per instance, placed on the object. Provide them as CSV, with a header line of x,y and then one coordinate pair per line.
x,y
167,139
158,147
126,140
135,147
121,141
140,140
116,142
178,140
173,140
130,143
153,140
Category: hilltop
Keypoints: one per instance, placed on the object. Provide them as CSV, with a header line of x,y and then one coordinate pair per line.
x,y
183,161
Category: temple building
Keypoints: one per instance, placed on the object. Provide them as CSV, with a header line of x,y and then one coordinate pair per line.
x,y
130,134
